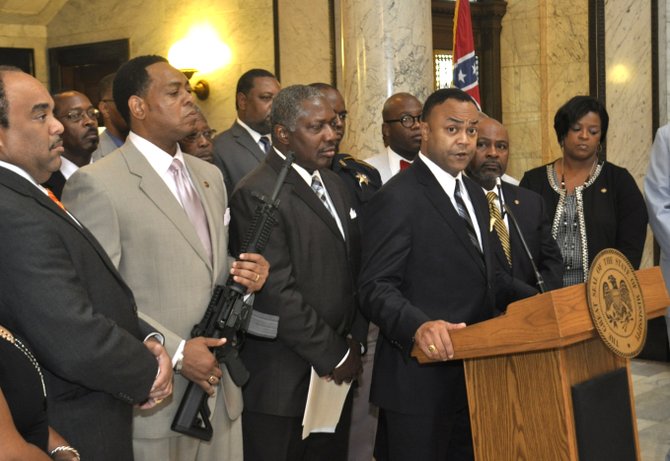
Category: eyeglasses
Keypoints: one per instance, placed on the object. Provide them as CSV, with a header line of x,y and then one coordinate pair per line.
x,y
207,134
77,115
406,120
106,100
342,115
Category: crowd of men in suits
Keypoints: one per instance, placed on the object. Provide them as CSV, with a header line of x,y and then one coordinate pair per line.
x,y
107,284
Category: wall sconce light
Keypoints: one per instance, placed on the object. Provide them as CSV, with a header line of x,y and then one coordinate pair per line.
x,y
200,51
201,89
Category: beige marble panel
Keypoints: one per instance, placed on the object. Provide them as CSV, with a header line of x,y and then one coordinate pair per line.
x,y
152,26
628,69
27,36
304,42
544,50
387,48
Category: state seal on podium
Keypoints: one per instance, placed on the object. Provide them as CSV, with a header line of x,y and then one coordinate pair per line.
x,y
616,304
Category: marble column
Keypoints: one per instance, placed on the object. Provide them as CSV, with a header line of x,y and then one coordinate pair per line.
x,y
383,47
629,88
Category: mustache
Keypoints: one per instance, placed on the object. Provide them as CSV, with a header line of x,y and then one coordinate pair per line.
x,y
57,143
91,131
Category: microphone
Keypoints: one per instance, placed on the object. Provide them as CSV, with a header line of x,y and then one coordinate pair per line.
x,y
538,276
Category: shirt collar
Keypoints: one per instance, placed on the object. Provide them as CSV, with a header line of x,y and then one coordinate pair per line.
x,y
304,174
446,180
24,174
157,157
253,133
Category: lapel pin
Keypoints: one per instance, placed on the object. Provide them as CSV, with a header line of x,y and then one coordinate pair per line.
x,y
516,201
206,183
603,190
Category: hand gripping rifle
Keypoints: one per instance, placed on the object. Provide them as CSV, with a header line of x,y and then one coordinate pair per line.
x,y
229,316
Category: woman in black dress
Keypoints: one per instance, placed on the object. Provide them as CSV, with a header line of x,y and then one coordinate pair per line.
x,y
24,430
594,204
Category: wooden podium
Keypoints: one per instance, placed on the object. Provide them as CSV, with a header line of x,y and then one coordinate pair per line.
x,y
520,368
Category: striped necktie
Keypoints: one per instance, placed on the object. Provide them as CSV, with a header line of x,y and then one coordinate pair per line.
x,y
498,224
463,212
320,191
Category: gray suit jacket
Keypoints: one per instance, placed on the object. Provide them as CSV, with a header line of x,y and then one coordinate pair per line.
x,y
105,146
150,239
61,293
236,154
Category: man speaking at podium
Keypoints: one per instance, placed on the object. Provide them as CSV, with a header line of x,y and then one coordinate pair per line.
x,y
427,269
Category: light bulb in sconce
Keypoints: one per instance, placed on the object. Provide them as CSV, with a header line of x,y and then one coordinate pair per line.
x,y
201,51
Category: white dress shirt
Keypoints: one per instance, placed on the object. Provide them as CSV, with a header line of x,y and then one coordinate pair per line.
x,y
448,183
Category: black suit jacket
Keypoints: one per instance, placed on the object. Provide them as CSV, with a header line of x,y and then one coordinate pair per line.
x,y
419,265
311,287
56,183
519,281
60,291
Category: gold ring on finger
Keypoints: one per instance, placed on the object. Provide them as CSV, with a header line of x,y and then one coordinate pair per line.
x,y
432,348
211,380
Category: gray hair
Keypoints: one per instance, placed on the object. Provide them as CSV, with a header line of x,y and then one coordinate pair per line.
x,y
287,105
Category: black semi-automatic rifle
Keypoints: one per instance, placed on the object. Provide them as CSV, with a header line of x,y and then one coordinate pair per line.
x,y
229,316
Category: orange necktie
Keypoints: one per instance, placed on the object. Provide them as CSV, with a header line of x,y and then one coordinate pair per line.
x,y
55,199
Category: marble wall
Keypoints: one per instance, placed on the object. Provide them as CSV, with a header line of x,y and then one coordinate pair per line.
x,y
26,36
544,55
152,26
386,47
629,88
305,45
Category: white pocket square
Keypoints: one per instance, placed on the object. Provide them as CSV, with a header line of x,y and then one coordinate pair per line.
x,y
352,213
226,217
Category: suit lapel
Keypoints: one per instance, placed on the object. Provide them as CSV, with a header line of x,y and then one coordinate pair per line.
x,y
340,205
156,191
305,193
244,139
442,203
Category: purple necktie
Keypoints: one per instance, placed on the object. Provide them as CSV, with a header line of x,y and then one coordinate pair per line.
x,y
190,200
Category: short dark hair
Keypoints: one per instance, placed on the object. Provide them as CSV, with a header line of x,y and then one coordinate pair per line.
x,y
132,79
441,95
246,81
573,110
4,103
106,84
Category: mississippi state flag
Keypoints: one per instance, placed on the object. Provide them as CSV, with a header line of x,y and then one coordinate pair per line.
x,y
466,69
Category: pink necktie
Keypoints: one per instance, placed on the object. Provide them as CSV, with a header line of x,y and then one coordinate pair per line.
x,y
190,200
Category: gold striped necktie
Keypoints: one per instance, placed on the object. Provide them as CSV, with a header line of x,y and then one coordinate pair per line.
x,y
498,224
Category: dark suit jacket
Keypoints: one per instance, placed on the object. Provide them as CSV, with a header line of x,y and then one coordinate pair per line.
x,y
56,183
419,265
311,287
61,292
236,154
519,281
361,178
615,214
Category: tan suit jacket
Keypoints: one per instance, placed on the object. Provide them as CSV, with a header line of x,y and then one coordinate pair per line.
x,y
149,237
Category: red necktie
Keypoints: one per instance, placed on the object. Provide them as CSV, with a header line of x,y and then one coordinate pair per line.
x,y
55,199
404,164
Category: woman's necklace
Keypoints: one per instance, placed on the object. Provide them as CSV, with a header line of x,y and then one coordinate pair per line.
x,y
591,170
7,336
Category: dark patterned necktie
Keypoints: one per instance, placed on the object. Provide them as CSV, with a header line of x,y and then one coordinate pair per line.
x,y
265,144
320,191
498,224
463,212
